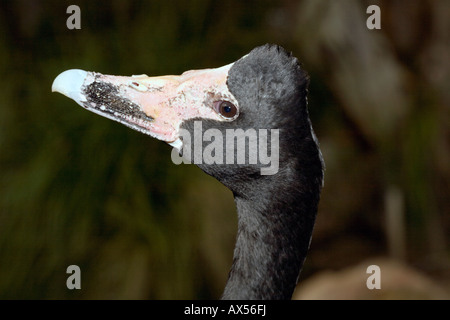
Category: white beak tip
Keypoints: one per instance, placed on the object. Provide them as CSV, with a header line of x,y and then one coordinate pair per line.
x,y
69,83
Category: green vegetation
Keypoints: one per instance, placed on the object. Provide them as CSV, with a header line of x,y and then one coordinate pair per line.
x,y
80,189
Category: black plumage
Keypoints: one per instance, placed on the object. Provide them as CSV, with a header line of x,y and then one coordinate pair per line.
x,y
264,90
276,213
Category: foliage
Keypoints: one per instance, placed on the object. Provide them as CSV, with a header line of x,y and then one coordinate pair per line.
x,y
80,189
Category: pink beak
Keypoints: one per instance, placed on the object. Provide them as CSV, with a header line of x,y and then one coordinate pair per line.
x,y
156,106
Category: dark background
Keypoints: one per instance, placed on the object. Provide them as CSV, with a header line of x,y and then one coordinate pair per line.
x,y
76,188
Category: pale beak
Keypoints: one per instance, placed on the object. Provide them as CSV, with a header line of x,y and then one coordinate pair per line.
x,y
156,106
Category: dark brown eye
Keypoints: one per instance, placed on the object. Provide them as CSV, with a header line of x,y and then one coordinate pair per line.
x,y
226,109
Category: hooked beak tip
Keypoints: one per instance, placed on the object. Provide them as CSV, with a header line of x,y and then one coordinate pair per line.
x,y
69,83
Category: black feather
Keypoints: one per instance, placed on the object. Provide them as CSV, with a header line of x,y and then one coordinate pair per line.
x,y
276,213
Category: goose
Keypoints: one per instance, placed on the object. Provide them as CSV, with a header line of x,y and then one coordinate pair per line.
x,y
261,95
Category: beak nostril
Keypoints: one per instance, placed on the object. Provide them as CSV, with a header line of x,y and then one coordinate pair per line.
x,y
138,86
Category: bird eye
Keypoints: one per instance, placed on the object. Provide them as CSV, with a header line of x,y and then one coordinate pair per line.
x,y
225,109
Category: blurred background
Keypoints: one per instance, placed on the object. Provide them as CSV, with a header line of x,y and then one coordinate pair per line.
x,y
76,188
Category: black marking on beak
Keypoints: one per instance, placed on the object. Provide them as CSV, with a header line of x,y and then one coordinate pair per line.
x,y
104,97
